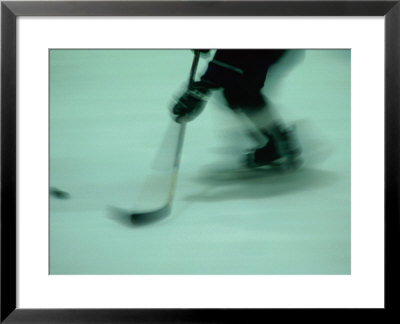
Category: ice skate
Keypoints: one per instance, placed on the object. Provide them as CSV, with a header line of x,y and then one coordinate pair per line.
x,y
281,151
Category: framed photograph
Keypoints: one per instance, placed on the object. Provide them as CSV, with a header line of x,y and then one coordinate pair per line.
x,y
198,161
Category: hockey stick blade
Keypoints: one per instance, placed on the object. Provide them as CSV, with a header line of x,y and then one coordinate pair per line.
x,y
141,218
129,218
158,191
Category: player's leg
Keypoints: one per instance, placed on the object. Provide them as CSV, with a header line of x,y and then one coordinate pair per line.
x,y
282,147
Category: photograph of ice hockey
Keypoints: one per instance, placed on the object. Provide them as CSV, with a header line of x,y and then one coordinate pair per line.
x,y
200,162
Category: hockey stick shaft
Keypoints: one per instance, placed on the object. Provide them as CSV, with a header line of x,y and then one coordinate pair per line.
x,y
182,130
183,125
195,63
153,215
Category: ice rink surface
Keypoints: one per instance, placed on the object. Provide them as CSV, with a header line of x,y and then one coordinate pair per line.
x,y
108,119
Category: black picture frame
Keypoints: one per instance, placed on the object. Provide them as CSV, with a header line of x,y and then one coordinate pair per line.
x,y
10,10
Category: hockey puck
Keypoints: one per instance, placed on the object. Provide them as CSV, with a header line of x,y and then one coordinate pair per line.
x,y
59,194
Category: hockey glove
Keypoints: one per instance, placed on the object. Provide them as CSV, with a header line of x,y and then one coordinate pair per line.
x,y
191,103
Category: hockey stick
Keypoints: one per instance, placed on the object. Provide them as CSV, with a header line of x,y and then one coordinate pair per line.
x,y
159,213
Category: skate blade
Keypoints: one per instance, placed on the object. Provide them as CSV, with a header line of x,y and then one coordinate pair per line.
x,y
284,163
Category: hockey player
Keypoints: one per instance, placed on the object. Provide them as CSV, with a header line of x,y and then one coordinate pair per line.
x,y
241,75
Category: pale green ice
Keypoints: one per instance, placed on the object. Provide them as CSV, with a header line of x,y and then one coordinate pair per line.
x,y
108,117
